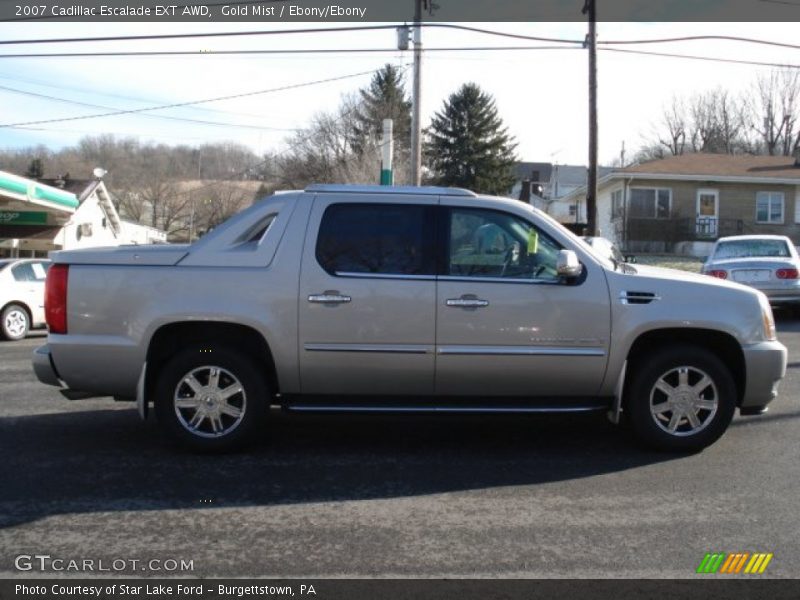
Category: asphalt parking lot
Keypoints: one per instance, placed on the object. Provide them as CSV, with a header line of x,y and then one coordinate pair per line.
x,y
392,496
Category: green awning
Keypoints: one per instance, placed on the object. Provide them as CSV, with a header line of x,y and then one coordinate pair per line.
x,y
36,191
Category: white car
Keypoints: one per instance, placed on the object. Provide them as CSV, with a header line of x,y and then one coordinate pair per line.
x,y
21,296
769,263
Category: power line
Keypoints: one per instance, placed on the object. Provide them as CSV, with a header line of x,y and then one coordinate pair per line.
x,y
128,134
695,38
394,50
96,92
306,30
146,53
171,118
704,58
342,29
191,102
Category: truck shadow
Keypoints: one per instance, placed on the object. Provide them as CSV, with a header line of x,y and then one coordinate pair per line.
x,y
106,460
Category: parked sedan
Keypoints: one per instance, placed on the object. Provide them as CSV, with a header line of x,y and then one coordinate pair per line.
x,y
21,296
769,263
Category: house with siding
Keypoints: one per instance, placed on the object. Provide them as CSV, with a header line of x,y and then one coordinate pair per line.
x,y
684,203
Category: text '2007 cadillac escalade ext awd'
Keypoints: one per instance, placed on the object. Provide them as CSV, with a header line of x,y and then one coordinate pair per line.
x,y
366,298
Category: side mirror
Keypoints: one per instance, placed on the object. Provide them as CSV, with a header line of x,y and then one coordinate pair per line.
x,y
567,264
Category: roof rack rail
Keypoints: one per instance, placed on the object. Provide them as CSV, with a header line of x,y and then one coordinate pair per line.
x,y
389,189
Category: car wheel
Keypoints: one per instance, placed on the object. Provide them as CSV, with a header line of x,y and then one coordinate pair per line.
x,y
14,322
211,399
681,399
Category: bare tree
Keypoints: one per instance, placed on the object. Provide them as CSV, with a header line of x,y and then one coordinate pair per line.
x,y
773,111
716,122
331,149
674,120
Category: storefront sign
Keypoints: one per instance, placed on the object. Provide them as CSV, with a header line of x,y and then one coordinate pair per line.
x,y
22,217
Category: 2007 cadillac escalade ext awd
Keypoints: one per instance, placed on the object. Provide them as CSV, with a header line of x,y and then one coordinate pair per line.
x,y
366,298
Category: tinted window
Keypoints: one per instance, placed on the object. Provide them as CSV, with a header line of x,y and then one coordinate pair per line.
x,y
486,243
388,239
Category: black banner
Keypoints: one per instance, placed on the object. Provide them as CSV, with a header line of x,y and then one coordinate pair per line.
x,y
331,11
393,589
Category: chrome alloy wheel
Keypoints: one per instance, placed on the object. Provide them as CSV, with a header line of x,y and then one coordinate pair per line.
x,y
210,402
16,322
683,401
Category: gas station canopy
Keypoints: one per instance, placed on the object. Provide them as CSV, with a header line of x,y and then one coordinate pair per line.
x,y
29,208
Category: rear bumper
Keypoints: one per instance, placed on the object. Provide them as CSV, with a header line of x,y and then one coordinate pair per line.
x,y
44,368
765,365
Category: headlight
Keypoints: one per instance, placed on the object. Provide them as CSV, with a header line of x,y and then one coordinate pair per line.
x,y
768,320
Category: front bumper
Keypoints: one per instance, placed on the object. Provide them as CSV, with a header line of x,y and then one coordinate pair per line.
x,y
765,365
44,368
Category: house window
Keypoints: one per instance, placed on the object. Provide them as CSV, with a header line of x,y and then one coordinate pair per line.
x,y
650,203
769,207
616,204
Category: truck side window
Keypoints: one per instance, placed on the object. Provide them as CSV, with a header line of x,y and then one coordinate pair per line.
x,y
489,243
385,239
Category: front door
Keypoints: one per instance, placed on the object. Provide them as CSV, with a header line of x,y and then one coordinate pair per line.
x,y
507,325
707,224
368,297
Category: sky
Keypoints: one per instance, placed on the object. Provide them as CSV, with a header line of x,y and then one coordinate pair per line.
x,y
541,95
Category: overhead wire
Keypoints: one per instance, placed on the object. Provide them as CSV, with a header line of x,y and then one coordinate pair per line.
x,y
189,102
350,28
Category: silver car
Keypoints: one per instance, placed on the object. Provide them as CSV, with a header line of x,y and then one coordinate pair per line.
x,y
21,296
766,262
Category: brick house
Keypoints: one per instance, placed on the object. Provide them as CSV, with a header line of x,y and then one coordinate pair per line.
x,y
684,203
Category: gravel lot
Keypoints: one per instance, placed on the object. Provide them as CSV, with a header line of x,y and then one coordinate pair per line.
x,y
392,496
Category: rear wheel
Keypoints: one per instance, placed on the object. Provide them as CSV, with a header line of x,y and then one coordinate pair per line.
x,y
14,322
682,398
211,399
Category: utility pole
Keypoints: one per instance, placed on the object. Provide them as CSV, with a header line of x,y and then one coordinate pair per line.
x,y
416,134
590,9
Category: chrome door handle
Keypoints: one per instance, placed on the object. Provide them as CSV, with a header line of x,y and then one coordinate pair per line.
x,y
329,298
466,302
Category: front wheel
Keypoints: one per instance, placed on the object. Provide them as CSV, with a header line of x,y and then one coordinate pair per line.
x,y
14,322
682,398
211,399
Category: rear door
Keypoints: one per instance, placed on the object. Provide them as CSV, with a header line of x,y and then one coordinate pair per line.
x,y
368,296
507,325
29,278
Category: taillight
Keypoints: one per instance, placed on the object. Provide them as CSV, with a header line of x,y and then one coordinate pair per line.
x,y
787,274
55,298
718,273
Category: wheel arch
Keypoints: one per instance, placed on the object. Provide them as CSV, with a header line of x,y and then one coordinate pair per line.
x,y
171,337
722,344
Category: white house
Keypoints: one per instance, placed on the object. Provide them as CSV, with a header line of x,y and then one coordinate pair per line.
x,y
37,217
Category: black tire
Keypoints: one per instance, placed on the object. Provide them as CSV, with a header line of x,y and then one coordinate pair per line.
x,y
651,423
232,368
15,323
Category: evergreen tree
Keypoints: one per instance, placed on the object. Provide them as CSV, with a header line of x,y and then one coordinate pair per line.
x,y
468,146
385,98
35,169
